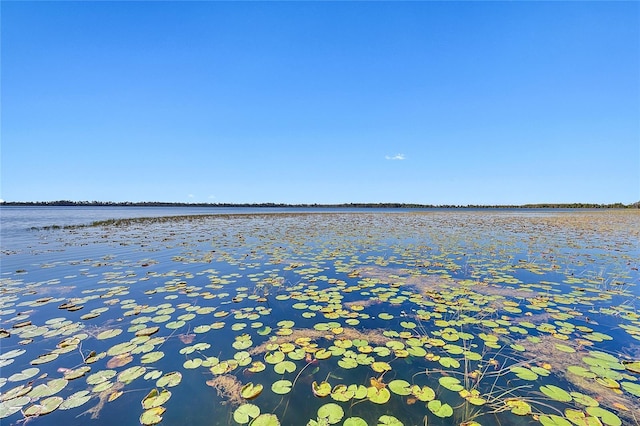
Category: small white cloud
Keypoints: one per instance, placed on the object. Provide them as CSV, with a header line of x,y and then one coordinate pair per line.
x,y
190,195
395,157
211,197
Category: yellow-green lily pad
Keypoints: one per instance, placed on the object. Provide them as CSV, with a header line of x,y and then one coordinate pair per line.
x,y
332,412
246,412
155,398
321,390
556,393
250,391
281,387
440,409
152,416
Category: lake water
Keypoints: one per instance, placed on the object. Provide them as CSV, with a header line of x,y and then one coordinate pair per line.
x,y
295,317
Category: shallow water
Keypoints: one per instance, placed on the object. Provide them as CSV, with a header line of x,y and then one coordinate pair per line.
x,y
474,296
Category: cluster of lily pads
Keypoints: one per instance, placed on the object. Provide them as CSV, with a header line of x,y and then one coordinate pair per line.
x,y
322,319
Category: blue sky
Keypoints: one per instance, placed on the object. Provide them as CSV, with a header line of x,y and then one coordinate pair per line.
x,y
321,102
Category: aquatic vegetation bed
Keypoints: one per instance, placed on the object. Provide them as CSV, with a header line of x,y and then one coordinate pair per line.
x,y
356,319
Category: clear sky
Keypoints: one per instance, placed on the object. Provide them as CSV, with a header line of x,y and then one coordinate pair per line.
x,y
321,102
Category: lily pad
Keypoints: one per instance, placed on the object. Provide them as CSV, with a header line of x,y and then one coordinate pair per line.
x,y
12,406
281,387
524,373
152,416
155,398
246,412
553,420
440,409
355,421
284,367
400,387
633,366
556,393
451,383
130,374
424,393
518,407
607,417
108,334
387,420
75,400
378,396
332,412
250,391
49,388
321,390
380,366
169,379
266,420
44,406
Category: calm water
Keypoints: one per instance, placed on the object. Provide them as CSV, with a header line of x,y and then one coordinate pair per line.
x,y
431,317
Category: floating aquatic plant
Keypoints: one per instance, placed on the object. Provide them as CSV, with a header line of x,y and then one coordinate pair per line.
x,y
369,312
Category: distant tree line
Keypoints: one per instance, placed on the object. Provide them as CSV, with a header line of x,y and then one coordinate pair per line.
x,y
635,205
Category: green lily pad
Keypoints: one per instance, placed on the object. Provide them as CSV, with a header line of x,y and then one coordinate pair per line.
x,y
256,367
323,354
250,391
44,358
12,406
130,374
581,371
380,366
524,373
440,409
553,420
583,399
633,366
400,387
75,400
121,348
265,420
449,362
451,383
281,387
284,367
169,379
49,388
155,398
174,325
152,416
274,357
25,374
321,390
348,363
632,388
151,357
424,393
378,396
607,417
76,373
354,421
44,406
556,393
518,407
387,420
342,393
246,412
564,348
190,364
107,334
332,412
